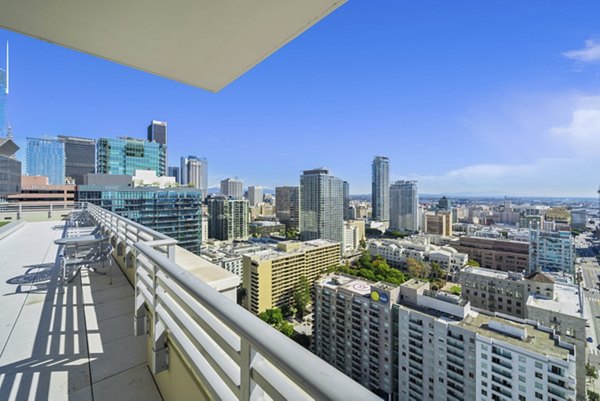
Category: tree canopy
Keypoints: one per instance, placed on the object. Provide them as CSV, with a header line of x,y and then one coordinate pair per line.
x,y
274,317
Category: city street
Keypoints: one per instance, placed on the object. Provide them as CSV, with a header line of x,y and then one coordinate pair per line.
x,y
590,269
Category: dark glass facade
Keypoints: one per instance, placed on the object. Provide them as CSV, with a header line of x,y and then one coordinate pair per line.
x,y
80,157
10,176
176,213
157,132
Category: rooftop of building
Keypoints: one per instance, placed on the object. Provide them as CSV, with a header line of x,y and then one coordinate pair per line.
x,y
540,277
353,284
286,248
536,340
566,301
491,273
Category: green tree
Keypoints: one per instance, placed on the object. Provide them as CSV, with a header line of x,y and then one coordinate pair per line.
x,y
437,271
286,328
455,289
472,262
362,243
593,396
274,317
591,372
302,295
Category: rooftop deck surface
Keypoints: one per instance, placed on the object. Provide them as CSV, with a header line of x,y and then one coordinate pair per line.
x,y
71,343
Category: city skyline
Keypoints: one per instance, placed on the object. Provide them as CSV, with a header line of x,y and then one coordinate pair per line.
x,y
530,95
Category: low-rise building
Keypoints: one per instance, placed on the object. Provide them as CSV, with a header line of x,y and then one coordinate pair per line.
x,y
35,189
495,253
395,252
536,297
266,228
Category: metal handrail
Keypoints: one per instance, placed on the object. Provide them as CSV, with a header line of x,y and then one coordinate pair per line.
x,y
313,375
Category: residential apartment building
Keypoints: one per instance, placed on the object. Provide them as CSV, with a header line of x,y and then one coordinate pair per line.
x,y
353,330
232,187
552,251
287,206
124,155
228,218
194,173
354,234
496,254
271,275
10,167
410,343
395,252
438,223
46,156
404,206
380,189
80,157
255,195
322,204
536,297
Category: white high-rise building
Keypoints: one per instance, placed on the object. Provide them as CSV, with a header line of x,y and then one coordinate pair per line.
x,y
255,195
194,173
232,188
380,188
404,206
322,206
410,343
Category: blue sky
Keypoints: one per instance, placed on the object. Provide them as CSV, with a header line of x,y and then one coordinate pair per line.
x,y
489,97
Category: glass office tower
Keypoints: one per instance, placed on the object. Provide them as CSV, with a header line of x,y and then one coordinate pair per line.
x,y
46,156
380,188
125,155
80,157
174,212
321,206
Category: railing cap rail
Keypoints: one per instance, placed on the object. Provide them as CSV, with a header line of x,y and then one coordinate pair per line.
x,y
309,372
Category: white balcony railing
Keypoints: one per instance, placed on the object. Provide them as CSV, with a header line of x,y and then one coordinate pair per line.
x,y
233,354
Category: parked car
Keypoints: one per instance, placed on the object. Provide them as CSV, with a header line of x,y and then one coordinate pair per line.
x,y
589,339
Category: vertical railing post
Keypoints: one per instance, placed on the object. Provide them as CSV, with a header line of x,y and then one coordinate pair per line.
x,y
50,211
19,212
246,357
160,351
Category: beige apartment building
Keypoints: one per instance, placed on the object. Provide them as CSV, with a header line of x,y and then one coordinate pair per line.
x,y
496,254
270,276
439,223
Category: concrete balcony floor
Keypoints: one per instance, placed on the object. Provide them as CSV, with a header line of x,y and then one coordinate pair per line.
x,y
75,344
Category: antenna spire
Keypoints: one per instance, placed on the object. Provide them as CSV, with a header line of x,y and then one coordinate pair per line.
x,y
7,69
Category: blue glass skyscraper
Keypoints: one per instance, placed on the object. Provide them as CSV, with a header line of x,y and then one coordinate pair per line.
x,y
46,156
125,155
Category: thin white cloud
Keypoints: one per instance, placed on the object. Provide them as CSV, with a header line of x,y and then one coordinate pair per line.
x,y
582,132
540,177
589,54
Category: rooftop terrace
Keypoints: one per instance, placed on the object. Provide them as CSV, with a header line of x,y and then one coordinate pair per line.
x,y
60,343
